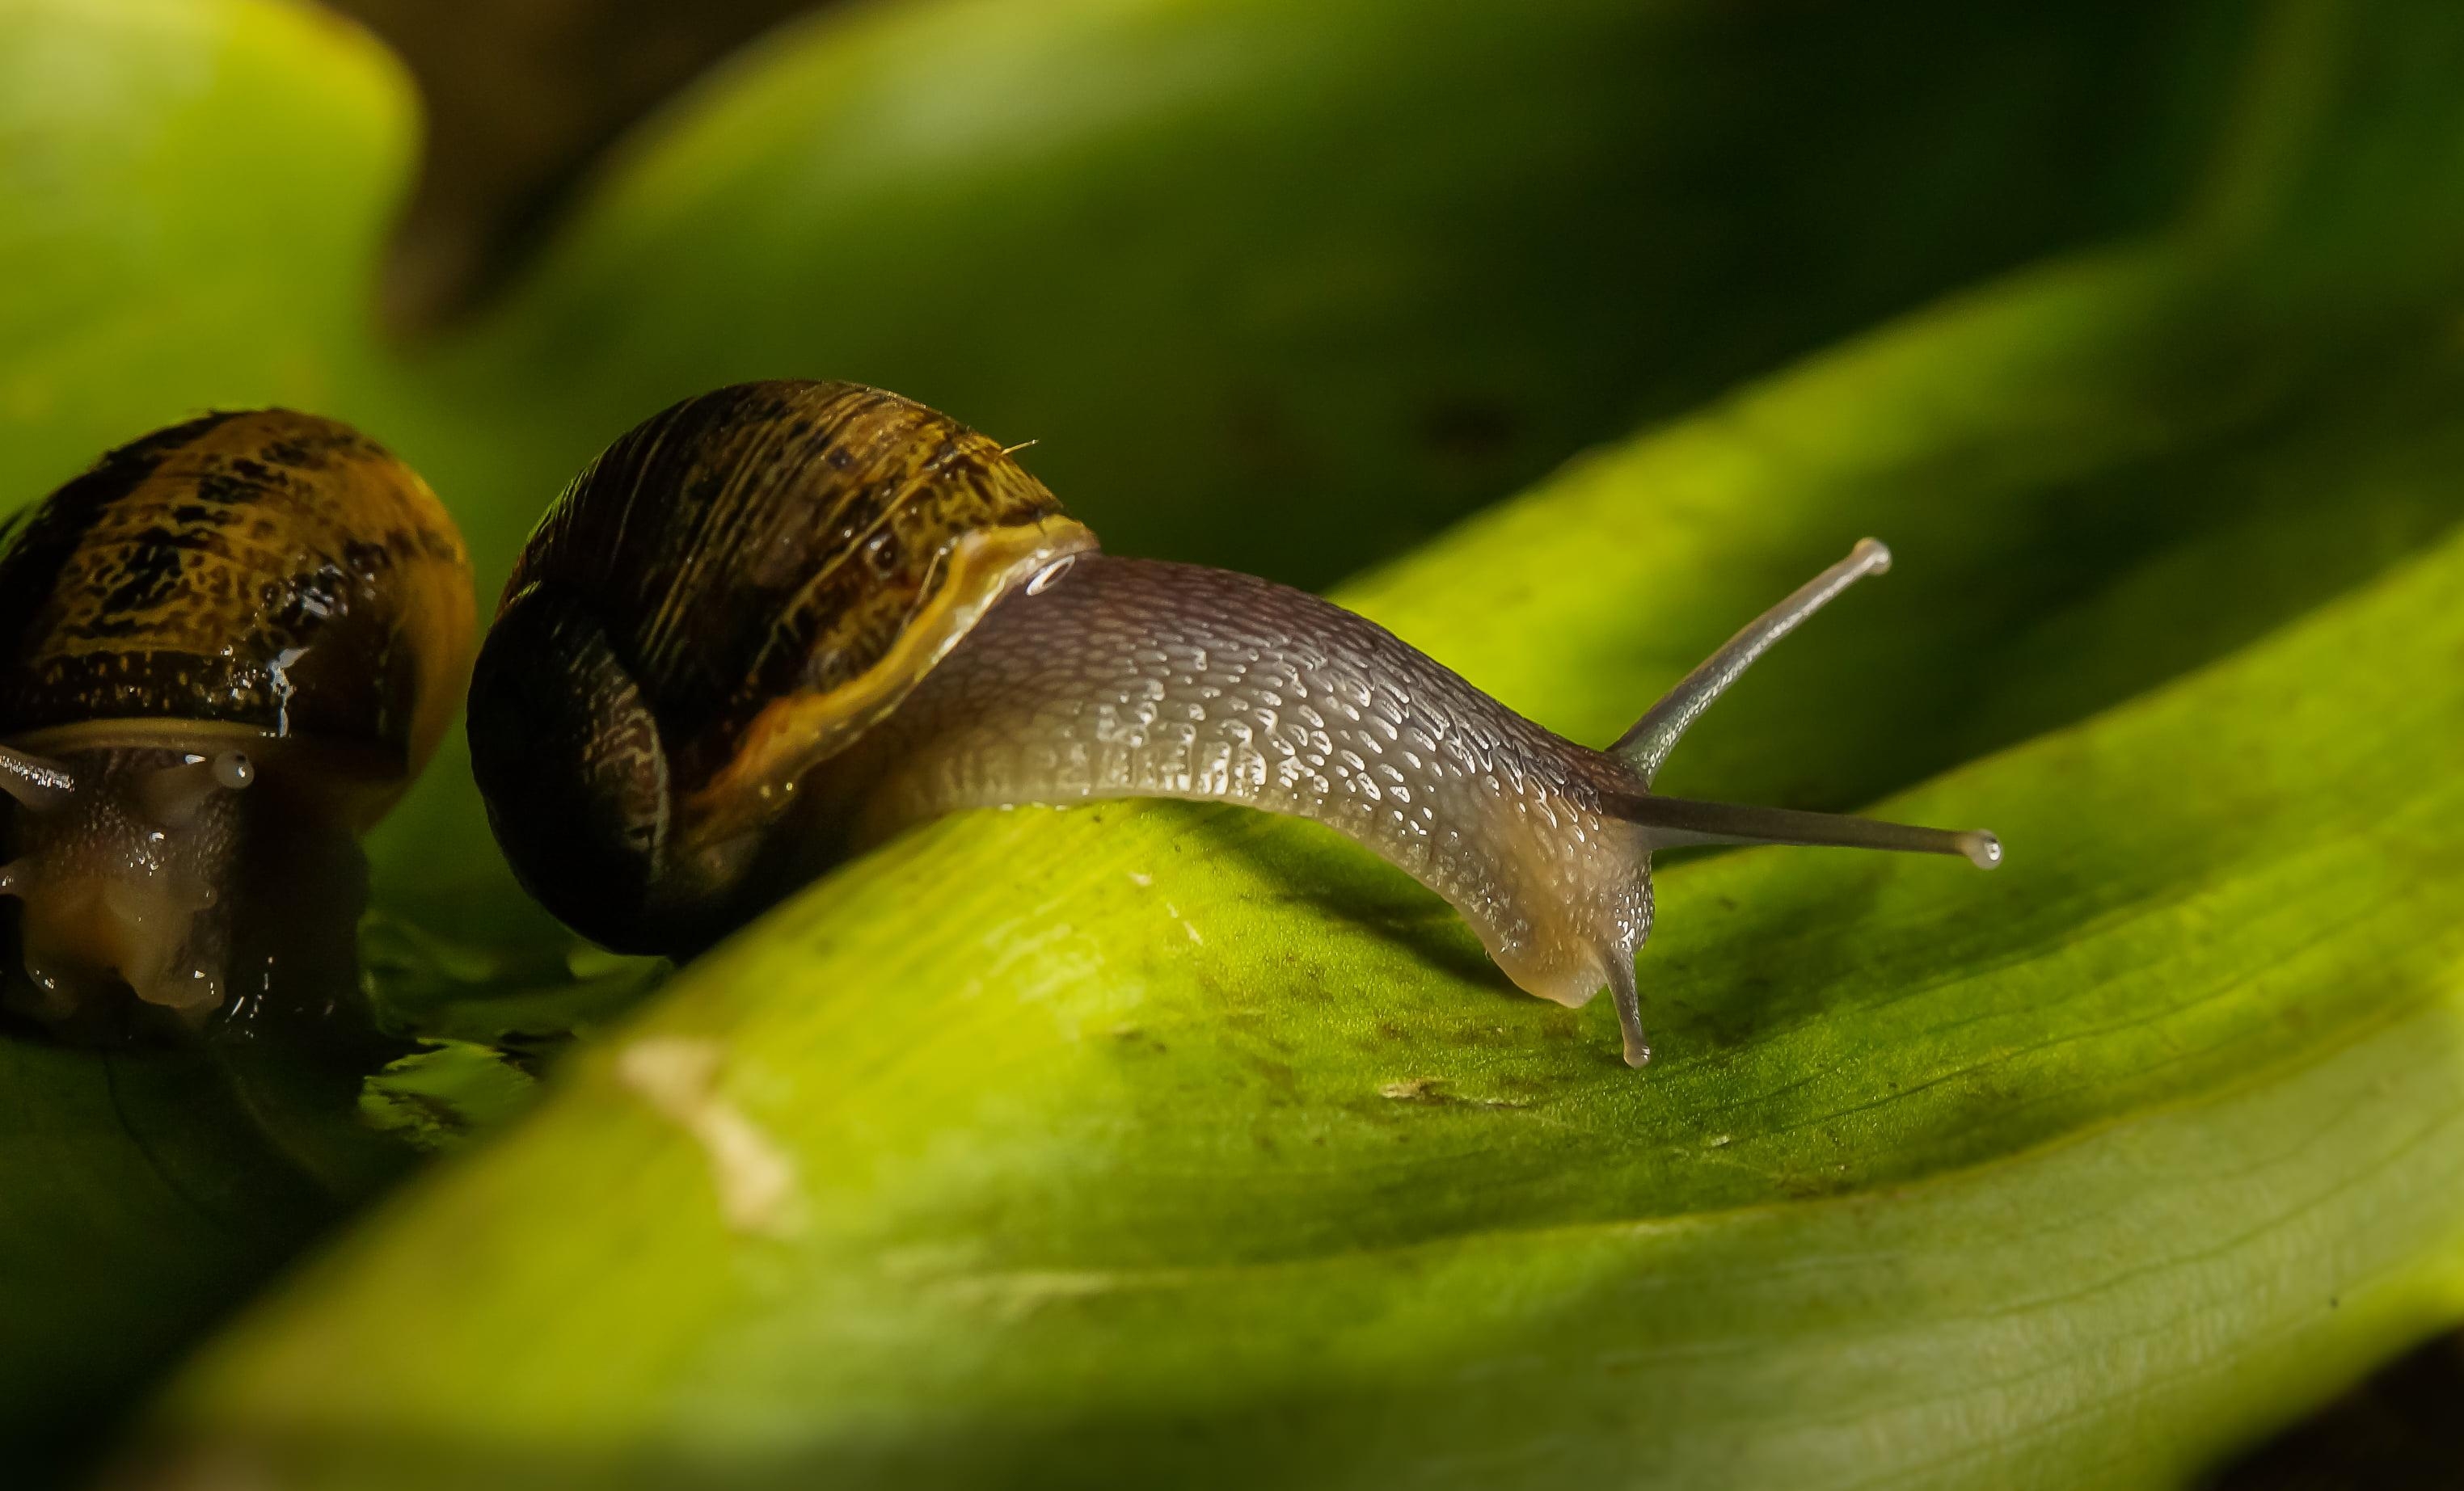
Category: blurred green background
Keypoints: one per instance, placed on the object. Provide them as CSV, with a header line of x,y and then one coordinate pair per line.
x,y
2138,329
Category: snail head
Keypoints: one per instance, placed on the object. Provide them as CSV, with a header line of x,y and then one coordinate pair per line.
x,y
117,853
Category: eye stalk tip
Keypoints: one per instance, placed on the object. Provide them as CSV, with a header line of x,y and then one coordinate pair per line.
x,y
1983,849
1873,555
172,795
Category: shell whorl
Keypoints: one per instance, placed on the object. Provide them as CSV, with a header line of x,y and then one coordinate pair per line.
x,y
723,600
266,568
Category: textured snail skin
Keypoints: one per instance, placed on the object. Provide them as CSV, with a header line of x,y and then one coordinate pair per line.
x,y
111,888
223,905
1129,678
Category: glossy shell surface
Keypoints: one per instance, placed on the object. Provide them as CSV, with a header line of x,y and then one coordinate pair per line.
x,y
775,564
269,569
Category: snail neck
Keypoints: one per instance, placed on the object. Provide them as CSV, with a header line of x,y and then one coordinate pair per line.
x,y
1131,678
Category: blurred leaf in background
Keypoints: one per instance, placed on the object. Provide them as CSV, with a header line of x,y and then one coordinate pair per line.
x,y
521,95
2087,1173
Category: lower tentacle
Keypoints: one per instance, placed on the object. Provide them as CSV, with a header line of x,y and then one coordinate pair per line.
x,y
1629,1007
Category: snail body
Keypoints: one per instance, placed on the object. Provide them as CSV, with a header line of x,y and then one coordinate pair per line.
x,y
225,651
1004,660
1141,678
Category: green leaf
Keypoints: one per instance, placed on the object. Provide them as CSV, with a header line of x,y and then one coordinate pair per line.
x,y
426,986
1153,1143
1259,1161
440,1097
1183,1145
148,1191
1234,266
194,193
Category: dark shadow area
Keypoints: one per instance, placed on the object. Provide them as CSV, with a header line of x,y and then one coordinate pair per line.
x,y
521,98
153,1189
2403,1430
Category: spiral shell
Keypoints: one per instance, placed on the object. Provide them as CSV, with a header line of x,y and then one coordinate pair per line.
x,y
267,569
717,605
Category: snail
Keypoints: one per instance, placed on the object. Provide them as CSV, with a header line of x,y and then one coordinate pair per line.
x,y
224,651
779,622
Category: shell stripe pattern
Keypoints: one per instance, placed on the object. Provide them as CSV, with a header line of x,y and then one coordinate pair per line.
x,y
778,564
269,569
786,740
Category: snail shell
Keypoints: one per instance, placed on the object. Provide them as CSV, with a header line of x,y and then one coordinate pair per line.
x,y
265,600
721,601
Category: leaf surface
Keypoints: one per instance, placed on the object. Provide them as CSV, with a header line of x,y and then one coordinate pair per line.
x,y
1191,1144
1152,1136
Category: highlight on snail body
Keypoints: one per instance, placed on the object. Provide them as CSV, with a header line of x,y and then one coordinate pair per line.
x,y
777,623
225,651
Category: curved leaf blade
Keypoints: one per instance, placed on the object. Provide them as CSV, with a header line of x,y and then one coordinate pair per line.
x,y
1236,265
1191,1144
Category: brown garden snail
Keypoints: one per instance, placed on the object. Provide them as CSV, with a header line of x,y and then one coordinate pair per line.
x,y
781,621
224,651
